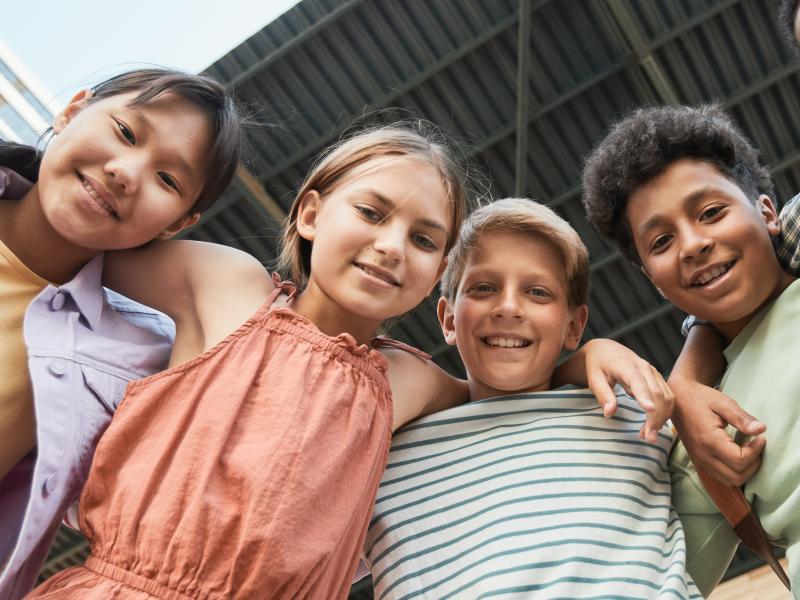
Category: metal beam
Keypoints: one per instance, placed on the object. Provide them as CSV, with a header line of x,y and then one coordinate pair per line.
x,y
504,131
523,94
398,91
256,192
644,52
292,43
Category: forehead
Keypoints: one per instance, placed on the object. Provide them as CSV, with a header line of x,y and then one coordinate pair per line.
x,y
515,252
409,182
677,189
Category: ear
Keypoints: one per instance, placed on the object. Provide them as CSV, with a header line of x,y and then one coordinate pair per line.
x,y
577,323
646,274
768,214
178,226
307,212
446,320
77,104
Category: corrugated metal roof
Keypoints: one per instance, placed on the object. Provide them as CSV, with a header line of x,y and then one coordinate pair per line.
x,y
325,63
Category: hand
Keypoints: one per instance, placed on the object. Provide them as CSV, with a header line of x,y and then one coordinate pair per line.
x,y
609,363
701,415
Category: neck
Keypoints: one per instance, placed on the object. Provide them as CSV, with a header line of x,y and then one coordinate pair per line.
x,y
331,318
30,236
731,329
481,391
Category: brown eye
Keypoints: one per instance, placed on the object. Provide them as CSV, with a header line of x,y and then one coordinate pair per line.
x,y
710,213
167,178
126,132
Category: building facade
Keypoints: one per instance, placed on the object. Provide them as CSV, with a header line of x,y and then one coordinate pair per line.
x,y
24,111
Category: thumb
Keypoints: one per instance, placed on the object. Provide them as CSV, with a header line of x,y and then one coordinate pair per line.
x,y
733,414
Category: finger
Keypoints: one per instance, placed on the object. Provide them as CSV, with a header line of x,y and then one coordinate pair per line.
x,y
666,401
732,413
663,400
637,386
649,433
606,398
738,459
724,474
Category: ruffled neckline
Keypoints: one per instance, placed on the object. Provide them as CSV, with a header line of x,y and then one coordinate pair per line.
x,y
344,340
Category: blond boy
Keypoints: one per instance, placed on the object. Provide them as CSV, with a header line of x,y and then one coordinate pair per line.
x,y
526,491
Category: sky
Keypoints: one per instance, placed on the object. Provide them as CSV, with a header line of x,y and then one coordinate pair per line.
x,y
73,44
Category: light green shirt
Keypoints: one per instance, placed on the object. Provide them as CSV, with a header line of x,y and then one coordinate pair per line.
x,y
761,377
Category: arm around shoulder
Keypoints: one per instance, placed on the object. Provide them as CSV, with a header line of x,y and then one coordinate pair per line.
x,y
185,278
420,387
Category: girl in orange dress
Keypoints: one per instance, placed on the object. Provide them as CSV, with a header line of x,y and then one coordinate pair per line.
x,y
249,468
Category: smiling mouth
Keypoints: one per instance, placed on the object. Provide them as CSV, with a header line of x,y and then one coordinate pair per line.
x,y
96,197
505,342
382,275
711,276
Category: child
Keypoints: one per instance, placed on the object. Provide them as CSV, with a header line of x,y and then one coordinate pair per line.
x,y
527,490
249,468
682,192
701,412
133,159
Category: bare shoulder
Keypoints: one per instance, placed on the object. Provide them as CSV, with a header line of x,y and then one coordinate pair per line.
x,y
214,264
176,276
420,387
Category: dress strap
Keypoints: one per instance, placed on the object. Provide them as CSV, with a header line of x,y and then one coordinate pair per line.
x,y
384,342
281,287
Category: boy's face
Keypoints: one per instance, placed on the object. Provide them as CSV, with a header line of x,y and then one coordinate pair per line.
x,y
511,318
705,245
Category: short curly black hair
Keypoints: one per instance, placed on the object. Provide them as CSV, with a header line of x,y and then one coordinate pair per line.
x,y
642,145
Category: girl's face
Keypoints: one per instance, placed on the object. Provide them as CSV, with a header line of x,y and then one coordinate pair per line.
x,y
117,176
379,237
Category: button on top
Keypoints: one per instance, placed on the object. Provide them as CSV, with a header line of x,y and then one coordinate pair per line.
x,y
57,303
50,484
58,366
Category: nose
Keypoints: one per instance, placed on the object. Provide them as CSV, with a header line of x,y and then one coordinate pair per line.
x,y
125,171
508,306
390,242
694,243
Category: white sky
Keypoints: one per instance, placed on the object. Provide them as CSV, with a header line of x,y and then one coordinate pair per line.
x,y
71,44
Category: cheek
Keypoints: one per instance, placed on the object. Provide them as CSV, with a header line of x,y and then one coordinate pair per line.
x,y
426,268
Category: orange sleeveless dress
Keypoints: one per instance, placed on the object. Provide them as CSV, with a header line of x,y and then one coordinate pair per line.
x,y
248,472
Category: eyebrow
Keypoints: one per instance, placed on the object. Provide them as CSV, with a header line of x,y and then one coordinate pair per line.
x,y
392,206
689,199
175,157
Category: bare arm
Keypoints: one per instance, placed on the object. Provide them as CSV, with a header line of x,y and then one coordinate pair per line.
x,y
702,413
208,289
420,387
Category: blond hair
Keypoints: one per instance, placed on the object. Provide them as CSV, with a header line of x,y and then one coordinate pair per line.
x,y
418,139
524,216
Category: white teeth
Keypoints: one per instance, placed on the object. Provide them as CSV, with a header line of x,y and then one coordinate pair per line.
x,y
507,342
88,187
708,276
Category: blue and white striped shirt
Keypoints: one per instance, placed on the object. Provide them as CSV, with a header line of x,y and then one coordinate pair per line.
x,y
528,496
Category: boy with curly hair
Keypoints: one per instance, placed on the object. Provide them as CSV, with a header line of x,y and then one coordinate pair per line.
x,y
683,194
